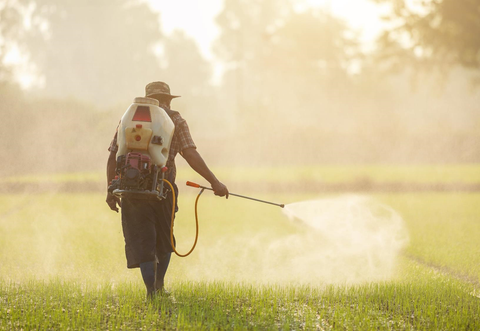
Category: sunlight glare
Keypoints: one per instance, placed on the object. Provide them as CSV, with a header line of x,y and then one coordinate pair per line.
x,y
198,21
361,15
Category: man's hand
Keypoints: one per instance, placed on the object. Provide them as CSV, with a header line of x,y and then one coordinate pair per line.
x,y
220,189
112,202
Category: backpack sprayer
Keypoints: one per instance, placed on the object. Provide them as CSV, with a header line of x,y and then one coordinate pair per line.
x,y
144,136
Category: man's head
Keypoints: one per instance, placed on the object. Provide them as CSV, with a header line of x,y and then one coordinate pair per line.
x,y
159,91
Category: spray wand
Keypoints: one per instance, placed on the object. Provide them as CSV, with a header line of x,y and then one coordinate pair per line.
x,y
236,195
172,241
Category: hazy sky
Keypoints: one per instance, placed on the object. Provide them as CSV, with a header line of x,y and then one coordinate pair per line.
x,y
199,20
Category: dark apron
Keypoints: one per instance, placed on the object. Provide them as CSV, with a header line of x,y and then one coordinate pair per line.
x,y
146,228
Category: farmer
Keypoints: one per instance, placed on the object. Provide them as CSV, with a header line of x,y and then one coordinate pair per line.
x,y
146,223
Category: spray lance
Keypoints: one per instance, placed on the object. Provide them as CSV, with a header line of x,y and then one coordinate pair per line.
x,y
236,195
203,188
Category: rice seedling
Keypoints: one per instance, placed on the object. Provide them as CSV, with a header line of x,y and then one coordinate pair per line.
x,y
63,267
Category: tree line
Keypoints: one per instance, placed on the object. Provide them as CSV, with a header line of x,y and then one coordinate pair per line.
x,y
295,77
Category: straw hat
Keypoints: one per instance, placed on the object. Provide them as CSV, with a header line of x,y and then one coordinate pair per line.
x,y
158,88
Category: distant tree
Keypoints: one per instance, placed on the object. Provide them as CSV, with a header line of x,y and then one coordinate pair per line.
x,y
246,24
312,52
96,50
244,44
184,66
279,59
433,33
11,22
189,74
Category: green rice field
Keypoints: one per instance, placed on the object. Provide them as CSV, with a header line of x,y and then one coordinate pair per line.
x,y
464,173
62,264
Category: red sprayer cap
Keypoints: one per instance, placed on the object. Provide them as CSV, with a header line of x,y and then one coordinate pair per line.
x,y
164,169
192,184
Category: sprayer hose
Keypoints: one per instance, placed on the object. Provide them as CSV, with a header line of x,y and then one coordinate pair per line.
x,y
172,243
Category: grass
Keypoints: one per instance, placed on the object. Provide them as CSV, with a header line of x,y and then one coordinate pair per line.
x,y
63,267
443,229
422,174
348,173
420,301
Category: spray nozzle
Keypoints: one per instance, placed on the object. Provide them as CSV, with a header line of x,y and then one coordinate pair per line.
x,y
193,184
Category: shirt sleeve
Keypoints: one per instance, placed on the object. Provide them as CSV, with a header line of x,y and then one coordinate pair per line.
x,y
113,144
185,139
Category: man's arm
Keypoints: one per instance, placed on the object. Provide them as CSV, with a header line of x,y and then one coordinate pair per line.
x,y
111,199
195,160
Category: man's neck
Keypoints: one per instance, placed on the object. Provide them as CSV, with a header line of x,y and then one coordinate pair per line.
x,y
164,106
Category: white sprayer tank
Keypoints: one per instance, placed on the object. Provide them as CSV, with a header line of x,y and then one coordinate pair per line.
x,y
146,128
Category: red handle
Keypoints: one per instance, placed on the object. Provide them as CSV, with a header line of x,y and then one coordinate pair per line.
x,y
193,184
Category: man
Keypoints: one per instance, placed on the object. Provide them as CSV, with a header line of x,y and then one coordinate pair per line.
x,y
146,224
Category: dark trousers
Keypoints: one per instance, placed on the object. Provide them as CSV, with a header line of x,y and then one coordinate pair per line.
x,y
146,229
153,273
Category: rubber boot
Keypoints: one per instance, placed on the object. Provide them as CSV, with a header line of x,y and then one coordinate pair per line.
x,y
162,266
148,270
